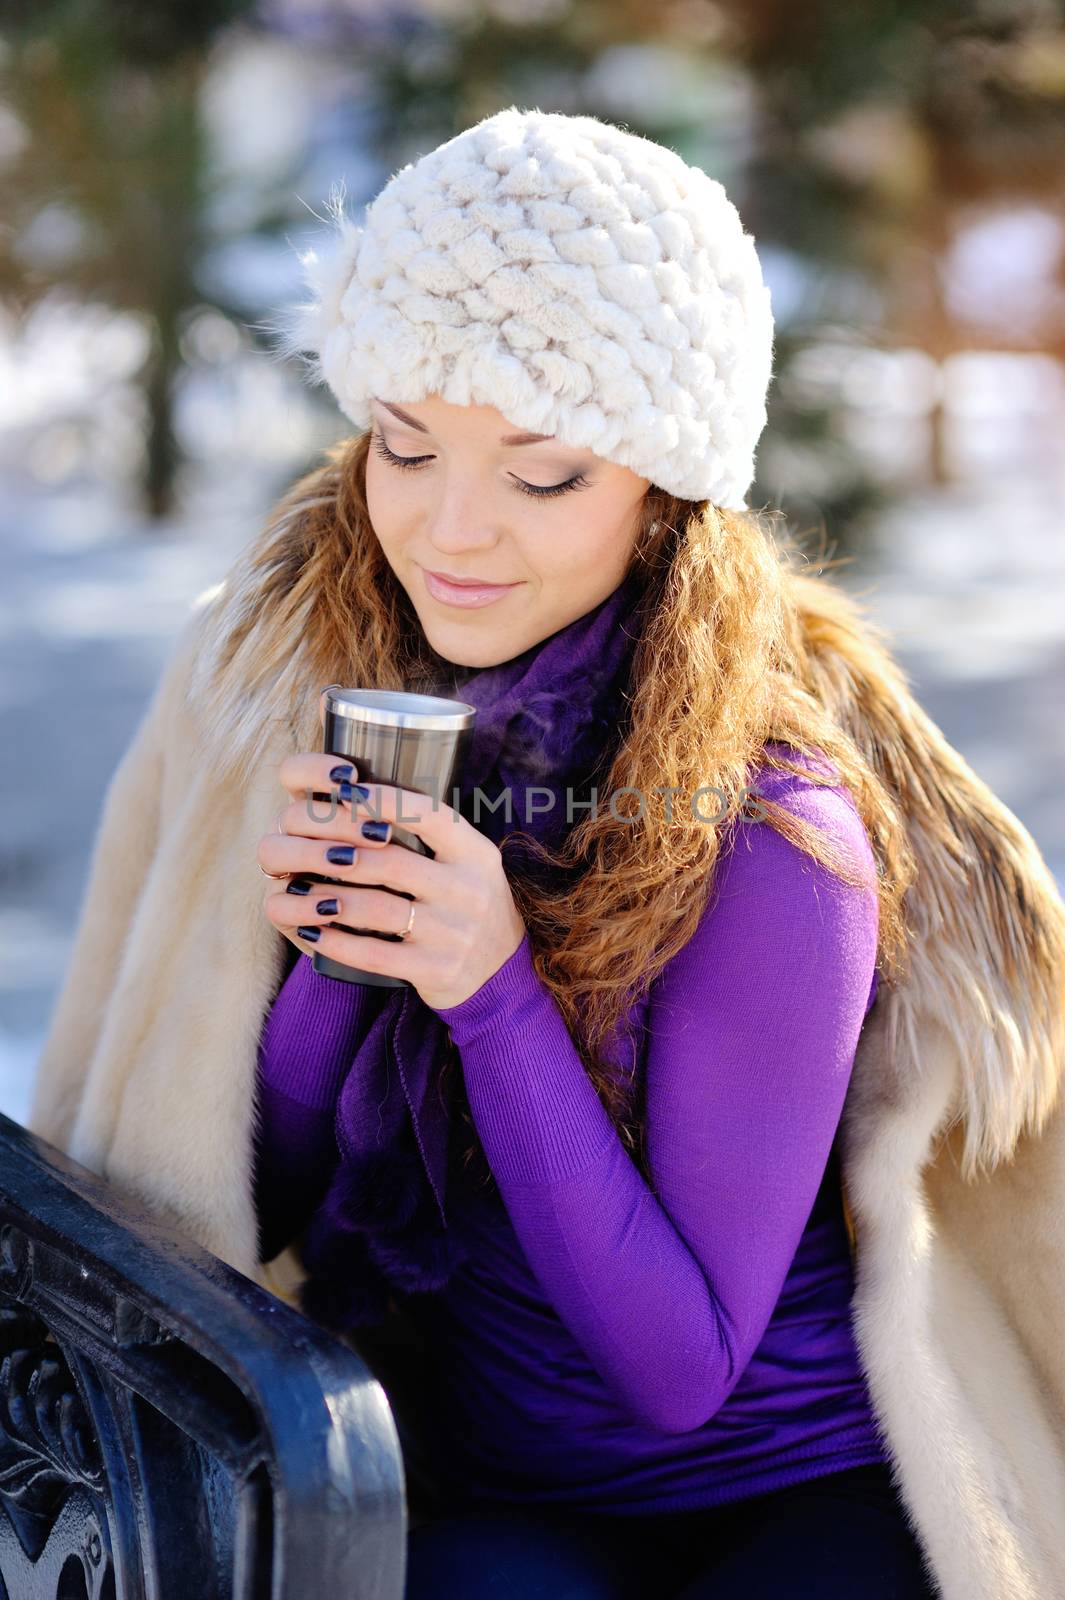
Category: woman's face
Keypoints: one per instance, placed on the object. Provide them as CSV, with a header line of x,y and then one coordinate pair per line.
x,y
472,505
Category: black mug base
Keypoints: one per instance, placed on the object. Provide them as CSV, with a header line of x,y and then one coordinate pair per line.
x,y
337,969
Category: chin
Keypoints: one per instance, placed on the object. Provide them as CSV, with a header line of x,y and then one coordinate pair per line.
x,y
474,660
461,648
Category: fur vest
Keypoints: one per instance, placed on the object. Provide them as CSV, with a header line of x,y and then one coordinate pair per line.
x,y
952,1140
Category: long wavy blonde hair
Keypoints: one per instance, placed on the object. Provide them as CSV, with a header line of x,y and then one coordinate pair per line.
x,y
723,668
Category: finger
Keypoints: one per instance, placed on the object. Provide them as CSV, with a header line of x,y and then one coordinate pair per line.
x,y
310,771
362,910
392,958
292,855
438,825
446,832
355,821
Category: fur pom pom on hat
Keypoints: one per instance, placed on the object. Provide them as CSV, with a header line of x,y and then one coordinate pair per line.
x,y
585,281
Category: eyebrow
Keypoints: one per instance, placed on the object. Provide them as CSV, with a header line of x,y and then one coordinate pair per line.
x,y
507,439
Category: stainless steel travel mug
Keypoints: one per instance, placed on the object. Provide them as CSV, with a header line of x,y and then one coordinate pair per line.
x,y
412,741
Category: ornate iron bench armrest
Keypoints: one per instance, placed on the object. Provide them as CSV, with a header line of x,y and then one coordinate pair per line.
x,y
168,1427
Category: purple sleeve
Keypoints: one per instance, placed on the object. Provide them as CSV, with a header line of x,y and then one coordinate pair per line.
x,y
311,1035
752,1031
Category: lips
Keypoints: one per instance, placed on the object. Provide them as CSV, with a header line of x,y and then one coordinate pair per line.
x,y
466,596
469,583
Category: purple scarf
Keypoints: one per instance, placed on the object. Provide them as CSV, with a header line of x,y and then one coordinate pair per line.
x,y
543,721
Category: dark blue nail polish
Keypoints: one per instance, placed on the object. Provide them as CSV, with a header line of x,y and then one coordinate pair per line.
x,y
298,886
347,791
327,908
342,773
341,855
312,935
377,831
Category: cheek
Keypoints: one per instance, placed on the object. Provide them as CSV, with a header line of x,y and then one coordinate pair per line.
x,y
386,502
584,545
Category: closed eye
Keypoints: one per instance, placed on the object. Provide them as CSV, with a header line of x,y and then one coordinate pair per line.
x,y
412,463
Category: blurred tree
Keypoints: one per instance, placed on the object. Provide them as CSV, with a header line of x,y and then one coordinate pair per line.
x,y
106,197
884,127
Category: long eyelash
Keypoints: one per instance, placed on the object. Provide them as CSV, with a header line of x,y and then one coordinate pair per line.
x,y
409,463
578,482
396,461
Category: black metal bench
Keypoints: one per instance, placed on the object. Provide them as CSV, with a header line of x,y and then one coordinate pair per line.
x,y
167,1427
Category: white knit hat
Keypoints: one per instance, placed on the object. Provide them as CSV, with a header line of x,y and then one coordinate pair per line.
x,y
585,281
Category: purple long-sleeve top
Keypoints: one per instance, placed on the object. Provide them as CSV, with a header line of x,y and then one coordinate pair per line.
x,y
605,1346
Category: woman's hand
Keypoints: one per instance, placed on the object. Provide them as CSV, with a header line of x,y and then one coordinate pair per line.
x,y
466,925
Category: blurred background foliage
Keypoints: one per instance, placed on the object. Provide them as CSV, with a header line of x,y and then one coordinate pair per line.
x,y
855,139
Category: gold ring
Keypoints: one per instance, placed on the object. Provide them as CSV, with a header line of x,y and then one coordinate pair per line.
x,y
410,920
278,875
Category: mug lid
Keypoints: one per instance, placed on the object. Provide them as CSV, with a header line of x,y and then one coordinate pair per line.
x,y
397,708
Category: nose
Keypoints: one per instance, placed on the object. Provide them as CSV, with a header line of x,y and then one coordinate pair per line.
x,y
459,527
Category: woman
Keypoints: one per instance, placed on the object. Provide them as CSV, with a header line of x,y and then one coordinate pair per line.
x,y
658,1365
